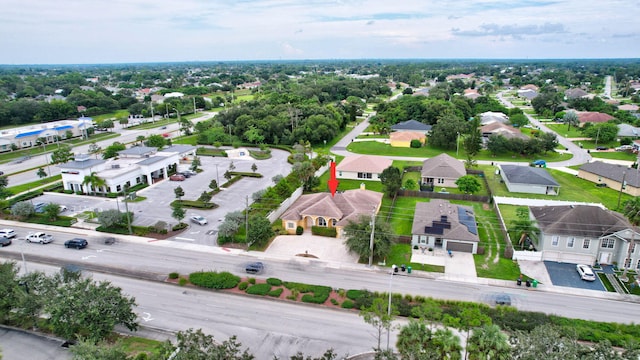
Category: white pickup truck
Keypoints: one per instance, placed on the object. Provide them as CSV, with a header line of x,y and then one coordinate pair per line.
x,y
39,237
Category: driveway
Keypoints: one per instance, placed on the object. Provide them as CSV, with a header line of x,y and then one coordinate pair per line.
x,y
320,247
564,274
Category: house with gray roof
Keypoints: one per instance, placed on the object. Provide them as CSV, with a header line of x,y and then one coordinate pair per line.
x,y
441,224
627,130
325,210
442,170
614,176
575,93
583,234
411,125
527,179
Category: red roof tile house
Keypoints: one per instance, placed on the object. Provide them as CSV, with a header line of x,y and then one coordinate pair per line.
x,y
362,167
324,210
593,117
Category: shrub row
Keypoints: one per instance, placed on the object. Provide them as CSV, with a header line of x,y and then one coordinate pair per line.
x,y
274,281
214,279
247,174
323,231
196,204
259,289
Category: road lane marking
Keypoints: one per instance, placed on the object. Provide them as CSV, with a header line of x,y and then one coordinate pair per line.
x,y
185,239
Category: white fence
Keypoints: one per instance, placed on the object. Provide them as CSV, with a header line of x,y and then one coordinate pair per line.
x,y
527,255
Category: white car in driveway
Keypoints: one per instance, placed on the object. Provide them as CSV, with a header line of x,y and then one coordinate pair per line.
x,y
585,272
199,220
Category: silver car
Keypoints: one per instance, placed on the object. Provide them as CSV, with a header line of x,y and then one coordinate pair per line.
x,y
585,272
198,220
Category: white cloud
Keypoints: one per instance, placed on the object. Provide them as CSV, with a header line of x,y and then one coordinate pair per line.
x,y
72,31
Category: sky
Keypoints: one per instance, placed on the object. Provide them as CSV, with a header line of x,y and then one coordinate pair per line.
x,y
125,31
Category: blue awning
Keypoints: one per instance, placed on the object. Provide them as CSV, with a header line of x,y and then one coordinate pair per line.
x,y
63,127
29,133
85,118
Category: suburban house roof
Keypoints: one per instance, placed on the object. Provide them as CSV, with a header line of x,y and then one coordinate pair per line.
x,y
412,125
629,107
441,218
138,151
443,166
530,87
81,164
517,174
498,128
578,220
364,163
406,136
575,93
593,117
344,206
613,172
626,130
488,117
527,93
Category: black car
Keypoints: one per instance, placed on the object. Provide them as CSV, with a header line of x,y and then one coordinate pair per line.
x,y
76,243
503,299
4,241
602,148
254,268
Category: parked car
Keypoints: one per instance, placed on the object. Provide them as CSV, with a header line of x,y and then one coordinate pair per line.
x,y
198,220
4,241
190,172
624,148
254,268
602,148
185,174
39,207
585,272
177,177
39,237
8,233
76,243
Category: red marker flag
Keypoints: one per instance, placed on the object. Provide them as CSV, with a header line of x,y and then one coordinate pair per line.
x,y
333,182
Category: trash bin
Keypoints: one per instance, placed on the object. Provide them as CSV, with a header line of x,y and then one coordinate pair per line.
x,y
528,283
535,283
408,269
403,268
519,282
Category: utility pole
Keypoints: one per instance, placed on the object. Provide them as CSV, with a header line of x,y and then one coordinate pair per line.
x,y
126,206
624,175
194,104
373,227
246,221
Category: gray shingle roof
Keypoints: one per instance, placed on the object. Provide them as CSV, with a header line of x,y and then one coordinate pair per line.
x,y
411,125
443,166
613,172
151,160
517,174
578,220
138,150
85,164
438,210
180,149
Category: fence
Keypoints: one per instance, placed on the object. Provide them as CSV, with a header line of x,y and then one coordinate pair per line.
x,y
437,195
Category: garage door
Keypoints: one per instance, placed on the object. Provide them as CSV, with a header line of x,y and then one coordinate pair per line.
x,y
459,246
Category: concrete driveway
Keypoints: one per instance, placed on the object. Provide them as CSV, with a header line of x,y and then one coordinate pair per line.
x,y
321,247
564,274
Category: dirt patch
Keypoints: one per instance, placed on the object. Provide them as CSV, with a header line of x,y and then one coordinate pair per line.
x,y
307,255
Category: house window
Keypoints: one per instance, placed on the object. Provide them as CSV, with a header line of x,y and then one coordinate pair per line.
x,y
627,263
340,173
554,240
570,241
586,243
334,222
290,224
608,243
638,265
322,222
633,248
364,175
440,181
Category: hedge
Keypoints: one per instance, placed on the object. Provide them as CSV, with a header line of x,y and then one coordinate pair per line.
x,y
214,280
195,204
259,289
275,292
324,231
274,281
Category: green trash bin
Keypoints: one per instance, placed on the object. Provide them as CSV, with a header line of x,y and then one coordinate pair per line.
x,y
534,283
408,269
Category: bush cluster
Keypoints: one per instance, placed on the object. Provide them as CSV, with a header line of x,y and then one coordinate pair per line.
x,y
275,292
243,286
274,281
173,275
259,289
214,280
323,231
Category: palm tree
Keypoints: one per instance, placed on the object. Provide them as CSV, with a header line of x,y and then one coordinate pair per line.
x,y
94,181
523,227
447,344
414,341
488,343
631,210
571,118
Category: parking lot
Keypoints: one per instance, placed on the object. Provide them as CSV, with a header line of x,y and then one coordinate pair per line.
x,y
564,274
156,206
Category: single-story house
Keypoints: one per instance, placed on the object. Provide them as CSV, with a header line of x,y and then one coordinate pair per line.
x,y
527,179
442,170
612,175
362,167
527,94
324,210
411,125
575,93
471,94
489,117
404,138
593,117
629,107
139,164
585,234
498,128
626,130
441,224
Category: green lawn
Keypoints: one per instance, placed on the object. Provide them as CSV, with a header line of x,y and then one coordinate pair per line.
x,y
28,186
113,115
561,129
616,155
376,148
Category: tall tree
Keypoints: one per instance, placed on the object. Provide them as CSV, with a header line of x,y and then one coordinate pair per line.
x,y
447,344
62,154
468,184
380,317
444,133
260,230
179,192
415,342
488,343
571,119
391,179
93,182
196,345
177,211
472,141
358,238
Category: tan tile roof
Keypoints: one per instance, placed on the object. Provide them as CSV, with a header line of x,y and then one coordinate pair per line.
x,y
443,166
594,117
364,163
344,206
499,128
